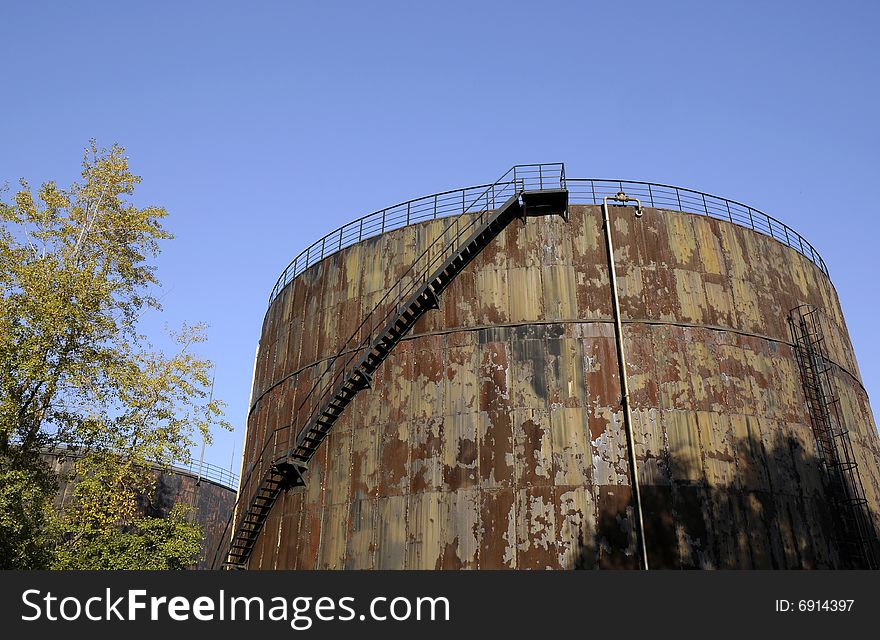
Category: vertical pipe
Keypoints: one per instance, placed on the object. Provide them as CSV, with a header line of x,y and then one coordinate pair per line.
x,y
624,389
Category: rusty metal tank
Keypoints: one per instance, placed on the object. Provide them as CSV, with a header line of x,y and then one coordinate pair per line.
x,y
492,436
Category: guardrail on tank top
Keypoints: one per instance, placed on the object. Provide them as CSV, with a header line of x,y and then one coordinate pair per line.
x,y
437,205
581,191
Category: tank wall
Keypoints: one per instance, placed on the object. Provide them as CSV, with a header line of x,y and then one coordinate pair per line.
x,y
492,436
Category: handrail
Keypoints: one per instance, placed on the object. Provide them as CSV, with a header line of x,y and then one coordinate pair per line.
x,y
582,190
431,207
458,202
515,180
211,472
663,196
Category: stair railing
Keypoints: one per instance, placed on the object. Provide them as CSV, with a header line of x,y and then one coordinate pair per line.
x,y
517,179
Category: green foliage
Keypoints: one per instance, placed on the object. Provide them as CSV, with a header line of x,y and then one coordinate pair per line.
x,y
75,278
171,542
26,519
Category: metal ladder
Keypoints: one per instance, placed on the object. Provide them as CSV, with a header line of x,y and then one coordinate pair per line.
x,y
532,194
855,531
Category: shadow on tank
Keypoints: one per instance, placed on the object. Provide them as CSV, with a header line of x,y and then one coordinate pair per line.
x,y
776,515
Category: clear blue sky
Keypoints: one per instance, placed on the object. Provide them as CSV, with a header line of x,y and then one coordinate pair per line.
x,y
263,125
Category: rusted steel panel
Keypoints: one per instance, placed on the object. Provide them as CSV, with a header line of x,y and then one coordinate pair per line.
x,y
498,540
271,539
565,376
683,435
460,447
429,446
572,455
309,538
394,465
536,528
334,527
527,373
427,392
651,451
638,343
291,508
588,262
494,297
312,297
496,430
493,438
532,454
425,520
460,531
294,326
362,531
461,309
461,375
560,292
338,480
365,462
612,537
575,517
526,304
391,531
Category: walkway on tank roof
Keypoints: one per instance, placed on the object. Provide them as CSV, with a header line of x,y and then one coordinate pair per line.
x,y
581,191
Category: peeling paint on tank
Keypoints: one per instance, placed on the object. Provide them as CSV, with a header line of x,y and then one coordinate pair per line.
x,y
492,436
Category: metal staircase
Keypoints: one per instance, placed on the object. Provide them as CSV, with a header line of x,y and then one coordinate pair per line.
x,y
855,528
530,191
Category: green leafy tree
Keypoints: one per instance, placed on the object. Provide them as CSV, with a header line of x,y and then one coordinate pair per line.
x,y
75,278
171,542
26,532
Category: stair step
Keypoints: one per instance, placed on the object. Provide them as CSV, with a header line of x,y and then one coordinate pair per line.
x,y
425,299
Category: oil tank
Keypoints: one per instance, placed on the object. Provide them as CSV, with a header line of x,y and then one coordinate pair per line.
x,y
493,435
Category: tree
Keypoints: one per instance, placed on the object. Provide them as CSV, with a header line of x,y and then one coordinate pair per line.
x,y
26,537
75,277
171,542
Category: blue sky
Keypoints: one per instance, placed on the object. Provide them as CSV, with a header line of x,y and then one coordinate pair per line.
x,y
261,126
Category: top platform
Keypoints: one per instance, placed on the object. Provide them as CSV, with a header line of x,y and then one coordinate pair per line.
x,y
545,177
